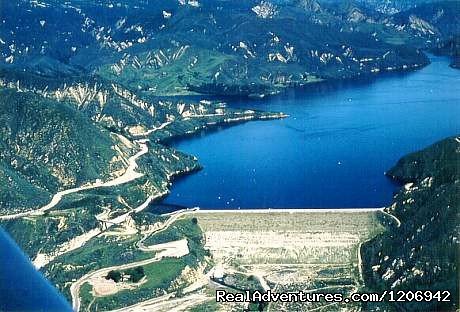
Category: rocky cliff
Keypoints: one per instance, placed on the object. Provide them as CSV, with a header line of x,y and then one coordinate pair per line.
x,y
422,253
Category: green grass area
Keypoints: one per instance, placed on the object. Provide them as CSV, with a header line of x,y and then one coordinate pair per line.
x,y
159,277
98,253
208,306
184,228
160,274
86,296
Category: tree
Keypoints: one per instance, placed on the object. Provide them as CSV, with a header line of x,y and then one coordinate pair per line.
x,y
136,274
194,220
114,276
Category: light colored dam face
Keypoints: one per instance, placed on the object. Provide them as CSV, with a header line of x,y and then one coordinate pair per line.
x,y
292,251
287,238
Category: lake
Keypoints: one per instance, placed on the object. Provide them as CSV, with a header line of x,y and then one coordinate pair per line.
x,y
333,149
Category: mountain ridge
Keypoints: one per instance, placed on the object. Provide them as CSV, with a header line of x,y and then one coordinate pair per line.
x,y
421,253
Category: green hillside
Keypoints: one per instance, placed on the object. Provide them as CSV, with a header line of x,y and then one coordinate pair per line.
x,y
423,252
46,146
220,47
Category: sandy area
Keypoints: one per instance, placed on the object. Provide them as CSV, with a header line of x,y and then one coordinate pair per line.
x,y
105,287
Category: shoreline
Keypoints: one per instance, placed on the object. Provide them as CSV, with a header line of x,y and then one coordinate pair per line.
x,y
211,126
290,210
275,90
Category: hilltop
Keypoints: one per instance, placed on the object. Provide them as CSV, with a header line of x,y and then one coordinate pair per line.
x,y
250,48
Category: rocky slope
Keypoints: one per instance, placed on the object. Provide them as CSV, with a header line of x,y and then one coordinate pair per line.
x,y
221,47
395,6
62,137
422,253
435,21
46,146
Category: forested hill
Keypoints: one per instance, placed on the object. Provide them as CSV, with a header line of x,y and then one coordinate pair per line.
x,y
246,47
423,252
46,146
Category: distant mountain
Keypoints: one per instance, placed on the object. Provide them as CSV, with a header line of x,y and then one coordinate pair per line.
x,y
438,20
422,253
209,46
436,24
395,6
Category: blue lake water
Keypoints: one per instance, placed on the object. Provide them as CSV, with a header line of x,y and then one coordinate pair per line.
x,y
332,151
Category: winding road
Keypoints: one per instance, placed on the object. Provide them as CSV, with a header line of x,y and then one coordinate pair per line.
x,y
170,249
393,217
42,259
129,175
173,217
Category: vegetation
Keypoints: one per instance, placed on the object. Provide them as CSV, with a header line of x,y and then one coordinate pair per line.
x,y
422,253
98,253
45,234
86,294
82,82
81,106
450,47
208,306
184,228
115,276
242,282
134,275
46,146
229,49
160,276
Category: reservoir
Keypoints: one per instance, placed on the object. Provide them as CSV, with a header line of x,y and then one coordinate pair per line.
x,y
333,149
